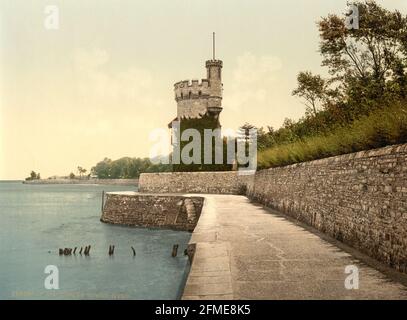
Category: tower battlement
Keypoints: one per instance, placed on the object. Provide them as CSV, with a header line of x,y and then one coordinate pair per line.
x,y
214,63
198,97
191,89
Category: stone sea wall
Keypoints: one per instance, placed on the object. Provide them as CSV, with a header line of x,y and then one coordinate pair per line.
x,y
150,210
228,182
359,199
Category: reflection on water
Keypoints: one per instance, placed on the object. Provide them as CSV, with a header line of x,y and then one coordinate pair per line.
x,y
36,220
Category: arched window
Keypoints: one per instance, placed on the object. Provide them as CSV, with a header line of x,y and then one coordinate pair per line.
x,y
200,93
190,94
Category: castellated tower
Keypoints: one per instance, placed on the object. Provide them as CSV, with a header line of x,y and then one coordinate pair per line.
x,y
199,104
196,99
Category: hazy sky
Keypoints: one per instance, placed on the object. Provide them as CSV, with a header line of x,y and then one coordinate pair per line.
x,y
98,85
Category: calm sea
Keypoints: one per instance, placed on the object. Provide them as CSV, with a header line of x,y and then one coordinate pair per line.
x,y
36,220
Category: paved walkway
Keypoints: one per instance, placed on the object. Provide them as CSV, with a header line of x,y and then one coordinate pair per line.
x,y
247,252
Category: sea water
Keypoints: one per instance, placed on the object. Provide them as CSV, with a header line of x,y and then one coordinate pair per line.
x,y
37,220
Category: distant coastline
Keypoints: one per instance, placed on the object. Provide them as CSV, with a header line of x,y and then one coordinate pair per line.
x,y
122,182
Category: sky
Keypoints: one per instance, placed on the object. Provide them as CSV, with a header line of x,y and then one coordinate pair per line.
x,y
98,85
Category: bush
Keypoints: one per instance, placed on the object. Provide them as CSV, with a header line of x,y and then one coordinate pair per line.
x,y
380,128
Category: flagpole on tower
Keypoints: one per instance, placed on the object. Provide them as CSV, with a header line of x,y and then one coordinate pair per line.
x,y
213,45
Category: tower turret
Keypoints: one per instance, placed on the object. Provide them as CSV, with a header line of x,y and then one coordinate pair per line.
x,y
214,76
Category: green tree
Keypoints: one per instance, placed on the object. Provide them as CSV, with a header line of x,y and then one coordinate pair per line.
x,y
244,132
126,168
81,171
102,169
33,176
366,62
312,88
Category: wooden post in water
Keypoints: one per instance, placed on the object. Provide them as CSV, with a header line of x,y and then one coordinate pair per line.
x,y
103,199
134,251
87,250
174,250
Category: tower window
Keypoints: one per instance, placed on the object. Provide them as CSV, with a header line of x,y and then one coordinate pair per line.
x,y
190,94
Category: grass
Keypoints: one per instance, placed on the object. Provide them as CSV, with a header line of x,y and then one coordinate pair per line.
x,y
380,128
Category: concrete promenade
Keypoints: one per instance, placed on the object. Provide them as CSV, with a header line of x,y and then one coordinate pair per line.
x,y
244,251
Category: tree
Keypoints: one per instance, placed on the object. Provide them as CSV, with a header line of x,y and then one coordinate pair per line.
x,y
312,88
266,139
244,132
71,175
102,169
81,171
33,176
368,62
126,168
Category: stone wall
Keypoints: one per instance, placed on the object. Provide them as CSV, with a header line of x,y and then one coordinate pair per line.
x,y
228,182
359,198
150,210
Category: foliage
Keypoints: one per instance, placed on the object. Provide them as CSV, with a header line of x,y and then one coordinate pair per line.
x,y
126,168
368,79
312,88
33,176
200,124
81,171
382,127
367,65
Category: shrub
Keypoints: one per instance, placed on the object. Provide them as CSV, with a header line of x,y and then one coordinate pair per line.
x,y
380,128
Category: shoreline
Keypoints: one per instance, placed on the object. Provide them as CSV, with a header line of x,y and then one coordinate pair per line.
x,y
121,182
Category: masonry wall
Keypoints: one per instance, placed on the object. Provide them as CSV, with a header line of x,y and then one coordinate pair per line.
x,y
155,211
359,199
228,182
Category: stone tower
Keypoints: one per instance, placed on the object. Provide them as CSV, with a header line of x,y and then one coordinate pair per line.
x,y
198,98
199,104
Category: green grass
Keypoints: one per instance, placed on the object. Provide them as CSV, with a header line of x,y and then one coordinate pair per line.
x,y
382,127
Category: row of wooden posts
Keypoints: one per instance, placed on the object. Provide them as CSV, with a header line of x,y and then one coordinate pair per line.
x,y
70,251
